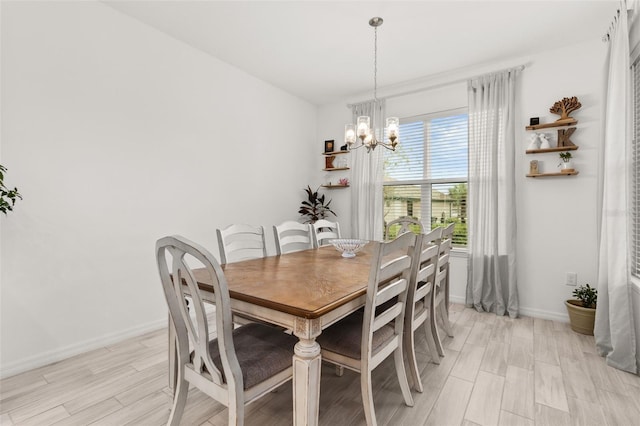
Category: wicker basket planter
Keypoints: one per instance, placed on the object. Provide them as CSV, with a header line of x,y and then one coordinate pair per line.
x,y
581,319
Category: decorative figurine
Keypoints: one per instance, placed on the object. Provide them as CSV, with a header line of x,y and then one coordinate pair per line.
x,y
565,107
544,142
533,167
535,142
344,182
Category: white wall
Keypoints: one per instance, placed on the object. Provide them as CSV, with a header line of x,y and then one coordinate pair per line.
x,y
556,216
117,135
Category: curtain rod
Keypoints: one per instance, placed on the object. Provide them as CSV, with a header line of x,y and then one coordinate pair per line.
x,y
439,85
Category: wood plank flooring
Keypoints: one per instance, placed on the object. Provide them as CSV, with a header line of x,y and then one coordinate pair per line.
x,y
497,371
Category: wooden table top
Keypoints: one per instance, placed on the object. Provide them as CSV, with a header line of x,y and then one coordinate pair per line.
x,y
306,284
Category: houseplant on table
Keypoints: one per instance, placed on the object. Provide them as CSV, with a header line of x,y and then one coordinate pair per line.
x,y
314,207
582,309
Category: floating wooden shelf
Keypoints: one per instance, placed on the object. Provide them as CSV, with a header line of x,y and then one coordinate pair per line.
x,y
553,174
335,169
335,186
555,149
335,153
559,123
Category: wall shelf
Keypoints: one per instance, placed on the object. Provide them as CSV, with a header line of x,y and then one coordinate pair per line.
x,y
559,123
554,149
335,169
335,153
334,186
552,174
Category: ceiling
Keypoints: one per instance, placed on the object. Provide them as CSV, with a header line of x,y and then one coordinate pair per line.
x,y
322,51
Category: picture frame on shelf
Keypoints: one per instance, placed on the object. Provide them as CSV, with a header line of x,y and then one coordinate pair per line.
x,y
328,146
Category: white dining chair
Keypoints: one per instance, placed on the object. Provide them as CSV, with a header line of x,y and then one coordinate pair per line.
x,y
238,366
292,236
419,301
403,224
362,340
241,242
323,231
440,300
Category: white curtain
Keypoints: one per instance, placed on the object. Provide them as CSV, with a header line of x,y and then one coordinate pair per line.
x,y
366,179
614,328
491,280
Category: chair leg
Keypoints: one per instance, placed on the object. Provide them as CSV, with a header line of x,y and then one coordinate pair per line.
x,y
236,410
179,398
435,333
367,398
444,316
431,344
410,349
402,376
339,370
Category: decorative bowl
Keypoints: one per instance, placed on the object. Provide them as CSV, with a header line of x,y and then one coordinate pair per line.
x,y
348,246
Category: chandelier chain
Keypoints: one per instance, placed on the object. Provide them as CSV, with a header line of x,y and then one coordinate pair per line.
x,y
375,64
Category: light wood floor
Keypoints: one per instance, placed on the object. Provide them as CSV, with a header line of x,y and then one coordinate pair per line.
x,y
497,371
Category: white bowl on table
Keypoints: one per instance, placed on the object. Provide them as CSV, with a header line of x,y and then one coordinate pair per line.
x,y
348,246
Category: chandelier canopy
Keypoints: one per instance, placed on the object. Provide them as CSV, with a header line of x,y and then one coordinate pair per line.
x,y
365,128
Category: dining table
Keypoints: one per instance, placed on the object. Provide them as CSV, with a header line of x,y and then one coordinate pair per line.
x,y
305,292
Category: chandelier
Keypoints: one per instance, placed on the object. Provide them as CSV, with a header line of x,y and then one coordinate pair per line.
x,y
365,129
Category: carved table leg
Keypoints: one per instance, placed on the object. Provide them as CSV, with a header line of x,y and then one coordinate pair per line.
x,y
306,373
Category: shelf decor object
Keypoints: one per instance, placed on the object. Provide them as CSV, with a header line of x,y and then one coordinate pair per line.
x,y
349,247
365,128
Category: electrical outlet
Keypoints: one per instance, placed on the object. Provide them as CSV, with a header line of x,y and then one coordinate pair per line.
x,y
572,279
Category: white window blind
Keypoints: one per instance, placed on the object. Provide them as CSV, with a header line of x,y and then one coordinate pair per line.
x,y
426,178
635,179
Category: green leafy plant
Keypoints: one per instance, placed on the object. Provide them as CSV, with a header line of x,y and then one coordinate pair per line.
x,y
314,207
587,295
565,157
7,196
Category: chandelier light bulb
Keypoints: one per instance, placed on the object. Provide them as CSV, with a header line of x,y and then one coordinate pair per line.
x,y
350,134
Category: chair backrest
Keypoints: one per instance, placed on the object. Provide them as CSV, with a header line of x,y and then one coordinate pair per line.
x,y
425,272
174,255
241,242
442,269
324,230
447,233
402,225
292,236
393,264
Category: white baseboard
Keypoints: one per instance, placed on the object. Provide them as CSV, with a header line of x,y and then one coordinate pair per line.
x,y
527,312
77,348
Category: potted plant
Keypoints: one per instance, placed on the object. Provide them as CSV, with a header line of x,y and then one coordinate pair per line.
x,y
7,196
582,309
565,161
314,207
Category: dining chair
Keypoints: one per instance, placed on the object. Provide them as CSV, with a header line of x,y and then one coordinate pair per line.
x,y
362,340
403,224
238,366
440,302
419,301
292,236
323,231
241,242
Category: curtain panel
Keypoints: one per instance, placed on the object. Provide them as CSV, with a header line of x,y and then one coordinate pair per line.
x,y
366,178
614,328
491,279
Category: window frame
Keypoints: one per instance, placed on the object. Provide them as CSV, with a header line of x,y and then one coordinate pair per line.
x,y
427,184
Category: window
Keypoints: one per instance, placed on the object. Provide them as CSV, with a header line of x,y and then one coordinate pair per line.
x,y
426,177
635,178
